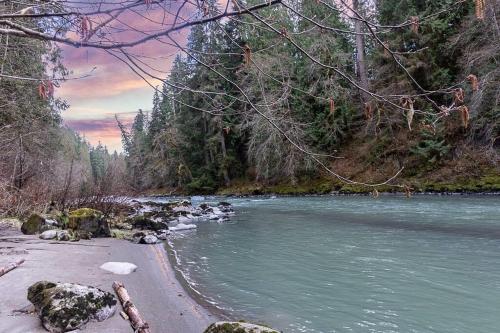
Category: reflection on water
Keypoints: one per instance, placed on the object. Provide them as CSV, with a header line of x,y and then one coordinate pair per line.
x,y
352,264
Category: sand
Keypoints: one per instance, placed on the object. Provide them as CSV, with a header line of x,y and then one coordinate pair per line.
x,y
153,287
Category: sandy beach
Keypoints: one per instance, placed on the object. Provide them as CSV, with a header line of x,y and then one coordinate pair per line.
x,y
153,286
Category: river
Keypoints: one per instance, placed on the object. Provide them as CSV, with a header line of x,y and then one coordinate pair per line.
x,y
351,264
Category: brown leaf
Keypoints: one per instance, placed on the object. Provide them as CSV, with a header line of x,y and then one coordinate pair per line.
x,y
247,55
458,96
474,82
368,110
41,91
407,102
480,6
415,24
464,113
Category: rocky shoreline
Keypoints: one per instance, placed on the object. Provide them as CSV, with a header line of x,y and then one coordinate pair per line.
x,y
75,293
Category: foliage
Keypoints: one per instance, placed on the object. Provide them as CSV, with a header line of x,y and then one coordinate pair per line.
x,y
235,108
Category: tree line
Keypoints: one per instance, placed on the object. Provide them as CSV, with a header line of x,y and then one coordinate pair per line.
x,y
41,159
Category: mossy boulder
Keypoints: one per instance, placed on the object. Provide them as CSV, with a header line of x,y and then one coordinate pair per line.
x,y
237,327
65,307
38,223
90,221
142,222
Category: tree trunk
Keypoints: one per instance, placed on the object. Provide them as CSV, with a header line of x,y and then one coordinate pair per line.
x,y
138,324
360,54
225,173
68,184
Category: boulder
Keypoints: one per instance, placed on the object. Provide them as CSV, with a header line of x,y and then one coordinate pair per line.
x,y
182,226
65,307
82,234
142,222
162,234
33,225
121,268
49,234
237,327
64,235
89,220
148,239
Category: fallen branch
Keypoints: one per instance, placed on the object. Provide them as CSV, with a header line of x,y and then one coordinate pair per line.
x,y
9,267
138,324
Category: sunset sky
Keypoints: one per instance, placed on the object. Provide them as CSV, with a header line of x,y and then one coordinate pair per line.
x,y
112,87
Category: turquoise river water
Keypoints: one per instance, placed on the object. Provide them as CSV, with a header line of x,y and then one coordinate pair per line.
x,y
351,264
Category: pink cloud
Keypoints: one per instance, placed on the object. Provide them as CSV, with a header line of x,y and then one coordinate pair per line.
x,y
112,87
103,130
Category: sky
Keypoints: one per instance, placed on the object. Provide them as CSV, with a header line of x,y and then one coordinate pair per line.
x,y
111,87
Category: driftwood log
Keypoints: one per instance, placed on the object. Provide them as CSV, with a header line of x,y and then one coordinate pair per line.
x,y
9,267
136,321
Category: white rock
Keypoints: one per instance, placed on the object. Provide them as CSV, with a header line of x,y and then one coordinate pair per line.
x,y
149,239
182,226
122,268
183,219
163,236
188,209
216,210
63,235
51,222
49,234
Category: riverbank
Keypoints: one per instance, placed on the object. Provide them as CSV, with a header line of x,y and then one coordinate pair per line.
x,y
153,287
487,184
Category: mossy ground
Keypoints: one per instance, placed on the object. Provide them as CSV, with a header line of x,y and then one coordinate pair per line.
x,y
488,182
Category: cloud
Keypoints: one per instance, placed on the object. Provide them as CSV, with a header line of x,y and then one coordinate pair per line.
x,y
112,87
104,130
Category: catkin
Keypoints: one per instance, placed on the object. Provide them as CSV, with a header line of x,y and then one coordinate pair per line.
x,y
480,7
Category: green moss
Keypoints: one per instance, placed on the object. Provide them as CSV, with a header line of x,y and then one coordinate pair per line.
x,y
86,212
487,183
33,224
121,234
89,220
65,310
